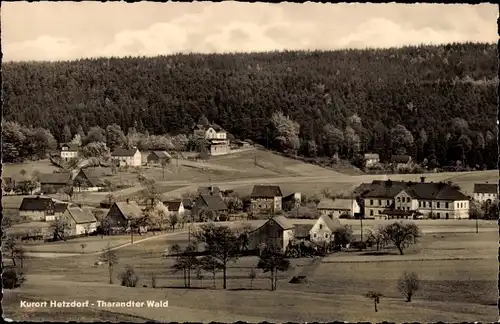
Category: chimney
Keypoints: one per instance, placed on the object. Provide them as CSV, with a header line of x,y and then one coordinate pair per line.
x,y
127,200
422,179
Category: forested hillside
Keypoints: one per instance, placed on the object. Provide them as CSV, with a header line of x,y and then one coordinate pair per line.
x,y
437,103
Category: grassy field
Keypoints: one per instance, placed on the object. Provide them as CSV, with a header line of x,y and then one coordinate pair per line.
x,y
14,169
93,244
458,273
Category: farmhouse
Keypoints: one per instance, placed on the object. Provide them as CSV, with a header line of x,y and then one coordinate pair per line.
x,y
334,208
122,213
86,180
400,160
175,207
158,158
370,159
266,198
127,157
213,203
187,204
37,208
322,232
210,190
53,182
69,151
216,138
277,232
79,220
60,208
485,192
291,201
431,200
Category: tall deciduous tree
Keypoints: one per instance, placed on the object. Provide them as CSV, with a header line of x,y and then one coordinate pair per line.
x,y
273,261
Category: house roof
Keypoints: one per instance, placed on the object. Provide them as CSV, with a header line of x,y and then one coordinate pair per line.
x,y
71,146
81,215
129,209
335,204
60,207
283,222
93,177
55,178
263,191
369,156
214,202
491,188
332,224
173,205
419,190
36,204
187,203
302,230
161,154
400,158
208,190
289,197
123,152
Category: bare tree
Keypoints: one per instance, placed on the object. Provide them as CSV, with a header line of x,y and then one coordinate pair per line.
x,y
408,285
273,261
401,234
375,296
212,265
83,245
199,275
186,262
252,274
173,219
109,257
377,236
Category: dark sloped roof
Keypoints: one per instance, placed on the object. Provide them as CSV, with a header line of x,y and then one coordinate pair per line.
x,y
263,191
93,177
130,210
55,178
283,222
419,190
400,158
123,152
60,207
187,203
214,202
491,188
369,156
71,146
302,230
81,215
208,190
36,204
161,154
337,204
173,205
332,224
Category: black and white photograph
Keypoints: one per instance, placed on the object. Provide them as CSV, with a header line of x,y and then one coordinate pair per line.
x,y
249,162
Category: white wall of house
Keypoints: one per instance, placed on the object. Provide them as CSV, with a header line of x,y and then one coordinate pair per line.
x,y
403,201
85,228
482,197
135,160
86,189
277,203
212,134
287,237
320,233
33,215
371,162
65,154
219,149
375,206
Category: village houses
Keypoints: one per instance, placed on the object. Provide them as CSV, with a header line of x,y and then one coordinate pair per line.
x,y
218,143
265,198
127,157
122,214
277,232
175,207
210,202
334,208
69,151
158,158
371,159
37,208
485,192
291,201
87,180
79,220
399,199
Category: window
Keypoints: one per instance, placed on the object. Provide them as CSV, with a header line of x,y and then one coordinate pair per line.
x,y
326,235
388,202
438,204
380,202
423,204
447,205
320,226
371,212
439,215
379,212
398,199
419,204
371,202
315,235
447,216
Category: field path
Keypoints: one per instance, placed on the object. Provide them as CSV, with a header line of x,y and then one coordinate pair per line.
x,y
57,255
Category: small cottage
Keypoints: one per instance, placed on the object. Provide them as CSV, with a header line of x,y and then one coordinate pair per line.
x,y
127,157
334,208
291,201
158,158
87,181
485,192
53,182
323,230
69,151
213,203
80,220
371,159
122,213
175,207
277,232
37,208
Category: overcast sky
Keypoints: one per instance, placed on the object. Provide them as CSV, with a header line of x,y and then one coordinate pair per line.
x,y
70,30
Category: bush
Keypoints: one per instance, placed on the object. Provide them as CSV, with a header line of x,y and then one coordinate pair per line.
x,y
129,278
13,278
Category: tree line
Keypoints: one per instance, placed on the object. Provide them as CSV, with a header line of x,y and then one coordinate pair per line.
x,y
345,102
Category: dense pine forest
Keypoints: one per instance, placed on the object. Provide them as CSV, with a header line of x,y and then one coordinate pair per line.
x,y
436,103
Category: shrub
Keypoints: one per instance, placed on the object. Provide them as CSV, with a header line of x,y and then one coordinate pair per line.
x,y
129,278
13,278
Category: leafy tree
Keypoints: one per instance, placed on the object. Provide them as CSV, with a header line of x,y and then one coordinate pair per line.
x,y
273,261
66,134
408,285
212,265
95,149
95,134
199,275
401,234
342,236
186,262
129,278
83,246
13,278
401,139
221,243
173,220
334,138
10,248
375,296
377,236
252,274
110,258
60,228
234,204
114,136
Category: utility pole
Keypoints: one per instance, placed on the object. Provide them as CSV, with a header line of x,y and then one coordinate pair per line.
x,y
477,225
255,158
361,221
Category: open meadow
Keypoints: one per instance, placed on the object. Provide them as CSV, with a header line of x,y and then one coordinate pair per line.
x,y
458,272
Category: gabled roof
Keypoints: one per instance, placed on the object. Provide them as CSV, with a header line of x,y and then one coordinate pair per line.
x,y
283,222
208,190
36,204
214,202
491,188
400,158
55,178
71,146
419,190
187,203
123,152
60,207
173,205
263,191
369,156
130,210
332,224
337,204
290,197
81,215
93,177
161,154
302,230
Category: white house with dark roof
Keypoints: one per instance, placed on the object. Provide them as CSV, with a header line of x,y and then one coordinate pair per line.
x,y
80,220
334,208
175,207
216,138
399,199
69,151
127,157
277,231
322,232
485,191
370,159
